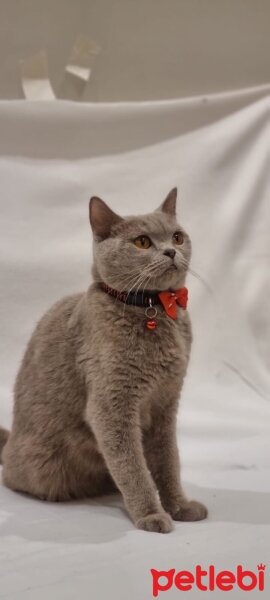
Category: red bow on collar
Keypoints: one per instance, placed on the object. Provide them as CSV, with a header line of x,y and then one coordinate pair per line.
x,y
169,300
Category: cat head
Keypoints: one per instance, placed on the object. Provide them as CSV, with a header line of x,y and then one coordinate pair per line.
x,y
150,251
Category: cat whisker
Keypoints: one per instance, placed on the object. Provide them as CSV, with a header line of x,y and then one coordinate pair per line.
x,y
144,276
132,278
136,282
198,277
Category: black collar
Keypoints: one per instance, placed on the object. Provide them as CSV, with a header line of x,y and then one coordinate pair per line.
x,y
143,299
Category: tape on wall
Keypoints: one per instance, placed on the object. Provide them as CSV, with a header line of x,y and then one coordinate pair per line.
x,y
35,79
79,68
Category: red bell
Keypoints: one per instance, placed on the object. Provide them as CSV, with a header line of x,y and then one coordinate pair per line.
x,y
151,324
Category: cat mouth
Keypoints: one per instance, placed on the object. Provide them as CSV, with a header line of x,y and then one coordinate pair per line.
x,y
172,267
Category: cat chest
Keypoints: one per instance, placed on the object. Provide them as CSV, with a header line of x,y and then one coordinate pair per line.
x,y
161,350
162,366
158,361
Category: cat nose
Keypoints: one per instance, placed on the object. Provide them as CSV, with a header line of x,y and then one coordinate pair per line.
x,y
170,252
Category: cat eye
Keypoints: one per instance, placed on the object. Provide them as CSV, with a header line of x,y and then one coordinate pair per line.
x,y
178,238
143,242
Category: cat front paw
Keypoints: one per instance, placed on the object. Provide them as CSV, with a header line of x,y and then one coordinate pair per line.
x,y
159,522
190,511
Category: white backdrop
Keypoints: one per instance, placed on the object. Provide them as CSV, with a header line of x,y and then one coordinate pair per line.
x,y
54,156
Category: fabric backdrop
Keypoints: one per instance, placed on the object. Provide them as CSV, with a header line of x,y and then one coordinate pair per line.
x,y
54,156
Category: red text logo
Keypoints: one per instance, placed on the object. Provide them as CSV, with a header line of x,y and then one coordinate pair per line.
x,y
208,579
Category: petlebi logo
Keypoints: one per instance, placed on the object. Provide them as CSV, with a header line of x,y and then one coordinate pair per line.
x,y
209,579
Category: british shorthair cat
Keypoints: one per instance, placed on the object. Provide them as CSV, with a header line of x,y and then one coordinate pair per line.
x,y
97,393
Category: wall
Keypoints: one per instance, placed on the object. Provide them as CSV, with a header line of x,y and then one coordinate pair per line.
x,y
150,48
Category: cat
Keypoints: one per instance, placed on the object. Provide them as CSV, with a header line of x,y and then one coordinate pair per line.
x,y
96,396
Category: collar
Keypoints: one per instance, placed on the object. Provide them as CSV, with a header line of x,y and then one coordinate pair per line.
x,y
169,299
143,299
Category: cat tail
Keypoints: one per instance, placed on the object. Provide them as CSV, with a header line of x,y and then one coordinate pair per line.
x,y
3,439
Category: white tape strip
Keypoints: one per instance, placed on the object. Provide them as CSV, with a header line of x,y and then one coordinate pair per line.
x,y
79,67
35,78
82,57
80,72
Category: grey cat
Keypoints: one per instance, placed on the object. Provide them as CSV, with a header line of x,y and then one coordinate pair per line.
x,y
97,392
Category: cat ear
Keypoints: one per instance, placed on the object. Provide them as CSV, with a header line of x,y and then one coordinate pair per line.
x,y
102,218
169,204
